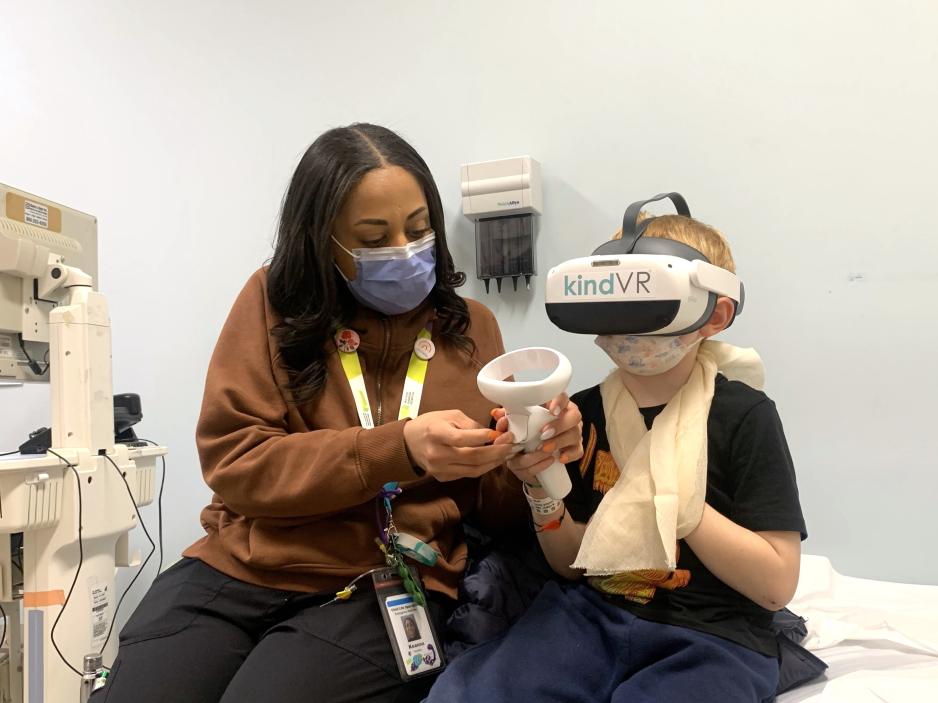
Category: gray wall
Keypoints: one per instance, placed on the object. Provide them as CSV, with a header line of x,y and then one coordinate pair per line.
x,y
805,131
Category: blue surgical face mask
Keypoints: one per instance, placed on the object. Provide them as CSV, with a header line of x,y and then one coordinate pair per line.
x,y
394,280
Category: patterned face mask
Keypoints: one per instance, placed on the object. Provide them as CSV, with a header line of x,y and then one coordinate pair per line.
x,y
645,355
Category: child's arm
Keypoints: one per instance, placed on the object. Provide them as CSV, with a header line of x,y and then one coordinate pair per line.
x,y
763,566
560,546
756,548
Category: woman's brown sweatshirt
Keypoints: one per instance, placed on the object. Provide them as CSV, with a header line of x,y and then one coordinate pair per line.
x,y
295,485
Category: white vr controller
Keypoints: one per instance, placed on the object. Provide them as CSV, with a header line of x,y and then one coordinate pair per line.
x,y
522,402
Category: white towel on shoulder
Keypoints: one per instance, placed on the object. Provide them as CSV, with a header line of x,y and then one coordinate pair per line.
x,y
659,496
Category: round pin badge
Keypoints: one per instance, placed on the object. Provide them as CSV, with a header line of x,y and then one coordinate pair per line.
x,y
424,349
347,340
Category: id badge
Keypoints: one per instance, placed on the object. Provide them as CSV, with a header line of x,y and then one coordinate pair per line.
x,y
410,631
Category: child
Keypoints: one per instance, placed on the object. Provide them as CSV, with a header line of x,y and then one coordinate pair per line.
x,y
699,628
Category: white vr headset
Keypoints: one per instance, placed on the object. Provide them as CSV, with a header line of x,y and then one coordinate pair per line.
x,y
639,285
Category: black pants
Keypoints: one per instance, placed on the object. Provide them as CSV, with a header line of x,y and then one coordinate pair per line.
x,y
199,636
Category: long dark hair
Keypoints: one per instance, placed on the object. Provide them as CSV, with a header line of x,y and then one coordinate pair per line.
x,y
302,283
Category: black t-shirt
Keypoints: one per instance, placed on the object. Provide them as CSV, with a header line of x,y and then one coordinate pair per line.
x,y
750,480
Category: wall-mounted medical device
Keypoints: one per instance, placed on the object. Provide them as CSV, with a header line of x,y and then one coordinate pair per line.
x,y
502,197
639,285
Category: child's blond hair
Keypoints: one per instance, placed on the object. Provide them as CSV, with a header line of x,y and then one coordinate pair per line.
x,y
704,238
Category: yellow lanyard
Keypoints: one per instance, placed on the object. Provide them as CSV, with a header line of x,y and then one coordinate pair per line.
x,y
413,384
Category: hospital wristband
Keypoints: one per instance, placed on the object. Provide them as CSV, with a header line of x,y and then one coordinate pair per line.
x,y
552,525
542,506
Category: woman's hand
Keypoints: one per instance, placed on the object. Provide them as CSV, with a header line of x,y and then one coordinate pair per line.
x,y
448,445
562,440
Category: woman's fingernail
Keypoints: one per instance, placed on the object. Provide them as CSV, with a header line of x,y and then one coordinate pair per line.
x,y
556,411
548,447
494,434
548,433
494,412
564,458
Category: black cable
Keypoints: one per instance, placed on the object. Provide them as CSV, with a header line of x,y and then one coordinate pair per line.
x,y
81,560
81,551
4,614
145,561
15,451
159,514
159,506
33,366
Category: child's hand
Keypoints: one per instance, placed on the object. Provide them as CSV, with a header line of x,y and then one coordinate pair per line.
x,y
562,439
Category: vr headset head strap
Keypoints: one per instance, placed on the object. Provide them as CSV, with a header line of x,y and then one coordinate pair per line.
x,y
632,229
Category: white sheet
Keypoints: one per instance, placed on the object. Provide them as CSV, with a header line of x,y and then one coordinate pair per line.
x,y
879,638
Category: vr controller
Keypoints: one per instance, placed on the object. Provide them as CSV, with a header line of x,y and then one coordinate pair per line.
x,y
522,402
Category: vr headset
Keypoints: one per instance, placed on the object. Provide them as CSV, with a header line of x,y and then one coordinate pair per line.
x,y
639,285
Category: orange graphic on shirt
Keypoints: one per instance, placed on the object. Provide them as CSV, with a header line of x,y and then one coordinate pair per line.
x,y
640,586
606,472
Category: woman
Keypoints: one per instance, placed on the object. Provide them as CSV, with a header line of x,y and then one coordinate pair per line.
x,y
297,446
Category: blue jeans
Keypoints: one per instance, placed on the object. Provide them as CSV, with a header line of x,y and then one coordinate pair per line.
x,y
572,645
